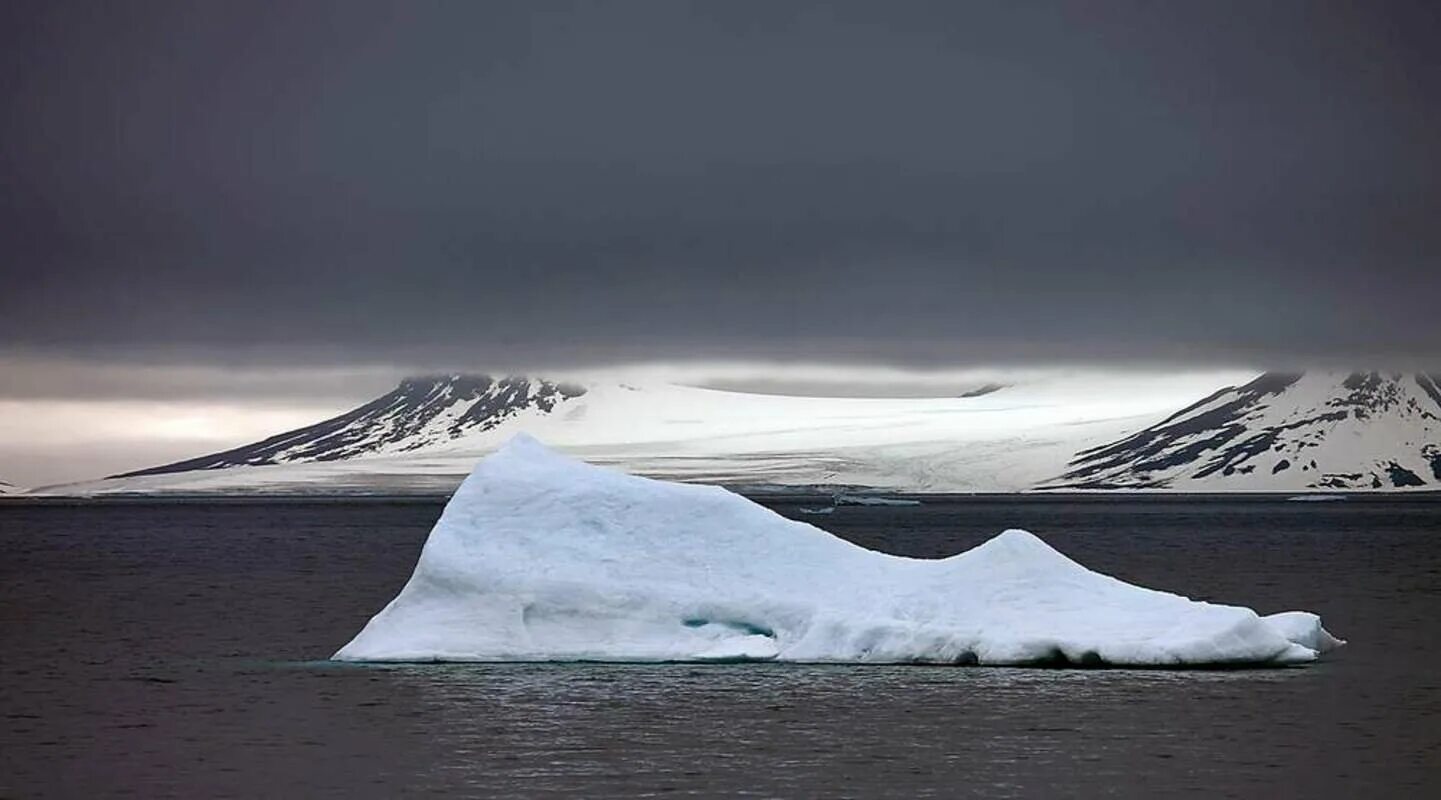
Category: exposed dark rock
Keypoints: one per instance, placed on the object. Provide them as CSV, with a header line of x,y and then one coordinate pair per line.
x,y
1156,447
1347,480
1432,453
1431,385
1370,393
1400,476
395,420
981,391
1238,429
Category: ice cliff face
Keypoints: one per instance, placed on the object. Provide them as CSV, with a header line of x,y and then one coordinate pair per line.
x,y
1283,432
419,413
539,557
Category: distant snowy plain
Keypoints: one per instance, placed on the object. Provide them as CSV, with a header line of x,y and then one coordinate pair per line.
x,y
1006,440
1191,432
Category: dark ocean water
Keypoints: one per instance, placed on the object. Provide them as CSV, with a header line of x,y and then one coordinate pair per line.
x,y
175,650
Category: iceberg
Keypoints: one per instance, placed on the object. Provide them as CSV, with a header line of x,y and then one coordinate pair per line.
x,y
539,557
872,500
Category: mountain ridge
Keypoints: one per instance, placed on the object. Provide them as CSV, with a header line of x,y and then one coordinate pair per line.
x,y
422,411
1363,430
1117,432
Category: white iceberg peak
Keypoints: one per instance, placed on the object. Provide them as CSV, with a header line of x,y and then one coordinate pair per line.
x,y
523,445
542,557
1018,544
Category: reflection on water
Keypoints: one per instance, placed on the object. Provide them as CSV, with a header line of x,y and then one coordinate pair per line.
x,y
877,730
170,651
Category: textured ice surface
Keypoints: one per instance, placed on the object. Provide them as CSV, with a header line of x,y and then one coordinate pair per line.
x,y
541,557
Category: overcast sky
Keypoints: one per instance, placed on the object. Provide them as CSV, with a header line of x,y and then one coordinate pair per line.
x,y
307,190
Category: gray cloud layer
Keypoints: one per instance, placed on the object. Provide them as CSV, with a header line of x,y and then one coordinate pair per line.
x,y
905,182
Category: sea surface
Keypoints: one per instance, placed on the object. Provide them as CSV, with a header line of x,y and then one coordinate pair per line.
x,y
177,649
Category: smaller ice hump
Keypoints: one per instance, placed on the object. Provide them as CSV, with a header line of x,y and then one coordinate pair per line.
x,y
539,557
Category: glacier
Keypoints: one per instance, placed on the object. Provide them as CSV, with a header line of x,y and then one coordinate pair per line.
x,y
426,435
540,557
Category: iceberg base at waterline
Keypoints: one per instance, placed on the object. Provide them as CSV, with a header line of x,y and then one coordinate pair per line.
x,y
539,557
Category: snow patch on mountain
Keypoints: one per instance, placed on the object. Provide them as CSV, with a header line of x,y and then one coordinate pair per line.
x,y
1282,432
419,413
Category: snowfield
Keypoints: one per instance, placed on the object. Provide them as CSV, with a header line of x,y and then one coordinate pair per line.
x,y
410,440
539,557
1056,431
1317,431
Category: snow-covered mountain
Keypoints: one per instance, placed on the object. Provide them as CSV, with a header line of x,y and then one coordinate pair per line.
x,y
1059,431
9,488
424,436
417,414
1283,432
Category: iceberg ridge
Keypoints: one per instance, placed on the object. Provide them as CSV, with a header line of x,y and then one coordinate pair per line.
x,y
539,557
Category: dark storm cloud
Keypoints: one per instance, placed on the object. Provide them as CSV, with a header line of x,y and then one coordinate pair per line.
x,y
557,183
49,379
